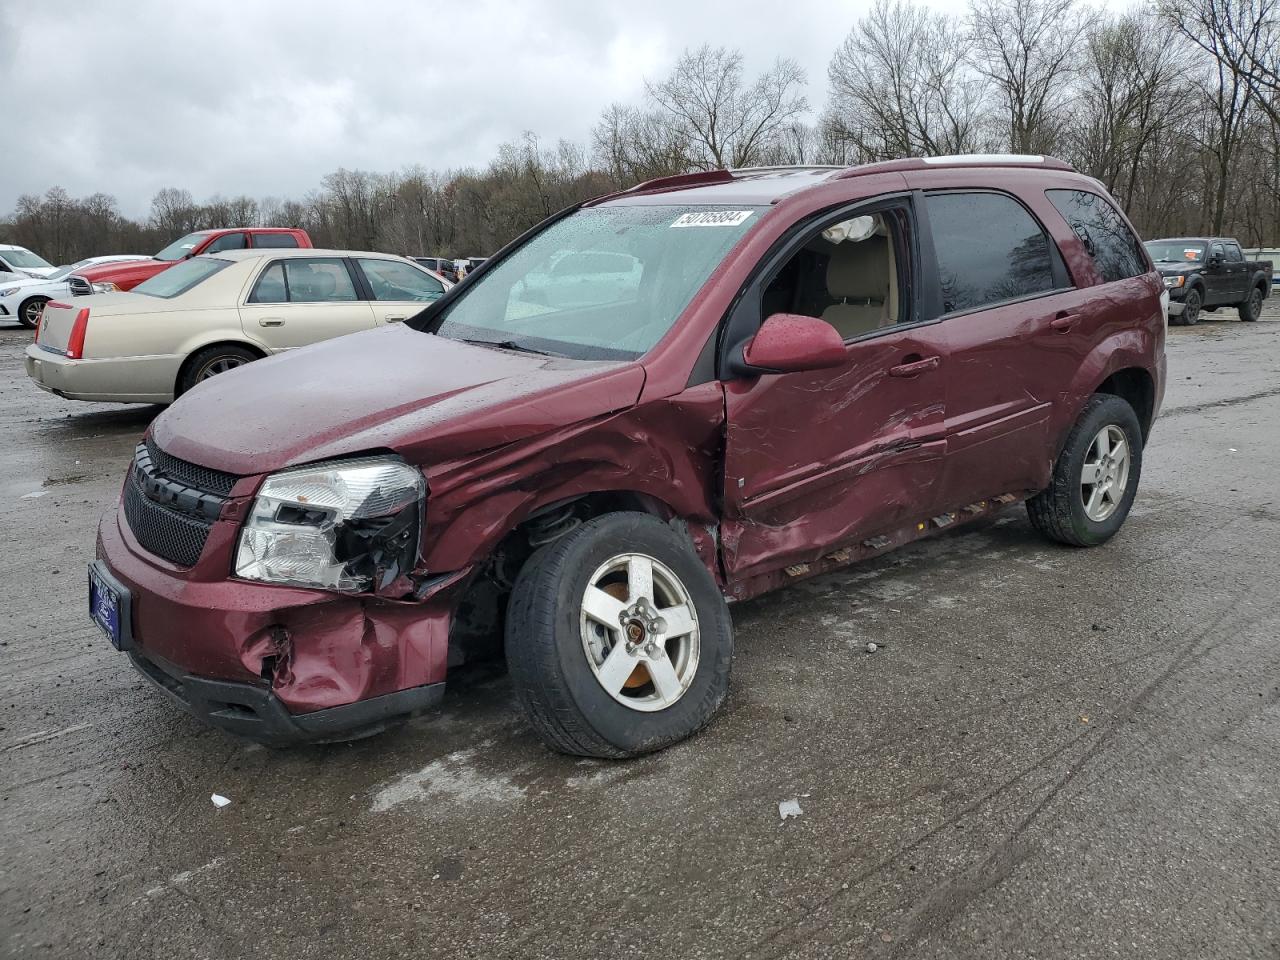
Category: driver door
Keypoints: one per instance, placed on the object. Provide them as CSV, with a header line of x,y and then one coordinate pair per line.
x,y
816,460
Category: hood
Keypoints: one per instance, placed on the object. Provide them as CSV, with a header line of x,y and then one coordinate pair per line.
x,y
38,272
1172,269
134,270
10,280
428,398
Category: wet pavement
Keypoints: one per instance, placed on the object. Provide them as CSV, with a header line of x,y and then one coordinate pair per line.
x,y
1055,753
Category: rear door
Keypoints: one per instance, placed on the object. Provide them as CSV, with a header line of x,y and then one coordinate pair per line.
x,y
295,301
1010,319
396,290
1237,273
814,460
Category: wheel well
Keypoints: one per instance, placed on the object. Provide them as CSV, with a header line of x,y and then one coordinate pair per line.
x,y
1135,386
186,364
480,615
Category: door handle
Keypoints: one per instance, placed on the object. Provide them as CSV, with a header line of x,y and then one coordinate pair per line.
x,y
271,322
394,319
1063,322
914,367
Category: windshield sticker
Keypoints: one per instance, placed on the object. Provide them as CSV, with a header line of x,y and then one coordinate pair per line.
x,y
1192,254
713,218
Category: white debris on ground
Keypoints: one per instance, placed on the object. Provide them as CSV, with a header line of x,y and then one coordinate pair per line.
x,y
34,495
789,808
219,800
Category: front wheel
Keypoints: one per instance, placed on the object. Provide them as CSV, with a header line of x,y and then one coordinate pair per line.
x,y
1191,309
618,640
1251,309
29,311
1095,478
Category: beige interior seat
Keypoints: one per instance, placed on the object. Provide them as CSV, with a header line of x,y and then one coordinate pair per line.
x,y
860,278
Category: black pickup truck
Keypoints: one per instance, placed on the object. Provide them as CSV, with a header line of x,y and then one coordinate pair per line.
x,y
1205,273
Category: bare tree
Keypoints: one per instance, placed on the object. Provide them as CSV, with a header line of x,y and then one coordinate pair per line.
x,y
1030,49
728,122
902,85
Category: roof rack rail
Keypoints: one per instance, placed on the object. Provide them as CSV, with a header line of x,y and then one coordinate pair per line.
x,y
683,180
959,160
787,168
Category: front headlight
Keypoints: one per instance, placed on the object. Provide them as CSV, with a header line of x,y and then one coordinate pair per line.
x,y
10,292
1174,281
107,287
349,525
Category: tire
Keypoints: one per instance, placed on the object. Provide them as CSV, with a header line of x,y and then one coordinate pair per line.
x,y
1191,312
1251,309
29,311
210,362
1060,512
558,654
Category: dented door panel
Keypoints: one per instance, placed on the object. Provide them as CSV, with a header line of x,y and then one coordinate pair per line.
x,y
813,460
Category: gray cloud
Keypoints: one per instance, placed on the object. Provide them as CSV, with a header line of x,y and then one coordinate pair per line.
x,y
265,98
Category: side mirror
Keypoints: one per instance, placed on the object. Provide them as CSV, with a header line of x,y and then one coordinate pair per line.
x,y
790,343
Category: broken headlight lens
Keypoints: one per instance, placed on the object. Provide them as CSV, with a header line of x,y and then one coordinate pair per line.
x,y
350,525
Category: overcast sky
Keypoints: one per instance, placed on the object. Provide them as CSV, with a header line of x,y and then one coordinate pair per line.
x,y
265,98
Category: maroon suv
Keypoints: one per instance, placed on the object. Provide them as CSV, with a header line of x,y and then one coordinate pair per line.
x,y
646,408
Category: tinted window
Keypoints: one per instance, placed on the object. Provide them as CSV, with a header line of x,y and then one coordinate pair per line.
x,y
393,280
232,241
1233,253
1215,250
275,240
989,248
1098,224
304,281
181,278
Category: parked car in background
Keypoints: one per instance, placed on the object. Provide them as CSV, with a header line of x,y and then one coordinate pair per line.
x,y
20,260
212,314
1265,253
24,299
1205,273
434,264
811,366
110,279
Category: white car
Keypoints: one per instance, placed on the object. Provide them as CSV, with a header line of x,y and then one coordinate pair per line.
x,y
212,313
20,260
23,298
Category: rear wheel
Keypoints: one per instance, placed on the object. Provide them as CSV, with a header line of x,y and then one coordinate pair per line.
x,y
1251,309
618,640
211,361
29,311
1191,309
1095,478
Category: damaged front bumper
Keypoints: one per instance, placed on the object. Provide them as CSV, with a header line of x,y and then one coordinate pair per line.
x,y
276,664
253,711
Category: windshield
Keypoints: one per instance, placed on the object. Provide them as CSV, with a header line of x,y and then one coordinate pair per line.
x,y
603,283
180,248
24,259
1175,251
178,280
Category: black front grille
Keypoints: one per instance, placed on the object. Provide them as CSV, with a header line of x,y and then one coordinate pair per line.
x,y
192,474
171,505
80,287
164,532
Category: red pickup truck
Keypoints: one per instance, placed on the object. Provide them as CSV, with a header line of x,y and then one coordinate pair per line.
x,y
110,277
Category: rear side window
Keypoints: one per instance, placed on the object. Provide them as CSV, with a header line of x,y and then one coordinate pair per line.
x,y
1115,250
304,281
393,280
989,249
277,240
1233,253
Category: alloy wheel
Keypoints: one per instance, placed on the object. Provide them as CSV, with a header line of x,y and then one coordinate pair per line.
x,y
640,632
220,365
1105,475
